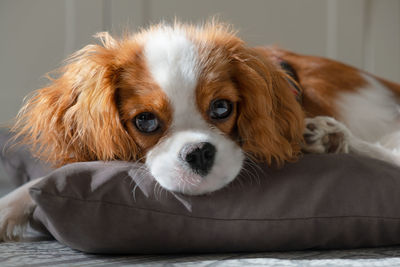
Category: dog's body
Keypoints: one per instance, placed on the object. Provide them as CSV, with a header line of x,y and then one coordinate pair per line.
x,y
189,101
346,109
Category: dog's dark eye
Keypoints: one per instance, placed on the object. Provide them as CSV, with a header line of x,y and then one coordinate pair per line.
x,y
146,122
220,109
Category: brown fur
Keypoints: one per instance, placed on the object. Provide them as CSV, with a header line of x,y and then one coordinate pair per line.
x,y
75,118
321,80
270,120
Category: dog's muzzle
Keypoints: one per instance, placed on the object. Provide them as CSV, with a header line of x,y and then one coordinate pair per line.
x,y
198,156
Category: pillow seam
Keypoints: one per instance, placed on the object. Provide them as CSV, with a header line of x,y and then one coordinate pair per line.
x,y
210,218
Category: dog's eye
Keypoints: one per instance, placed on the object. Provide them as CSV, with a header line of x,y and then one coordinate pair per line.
x,y
220,109
146,122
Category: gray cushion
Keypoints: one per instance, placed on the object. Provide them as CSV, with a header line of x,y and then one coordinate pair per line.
x,y
322,201
18,162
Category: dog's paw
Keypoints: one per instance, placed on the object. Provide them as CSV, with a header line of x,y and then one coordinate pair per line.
x,y
12,227
325,135
14,217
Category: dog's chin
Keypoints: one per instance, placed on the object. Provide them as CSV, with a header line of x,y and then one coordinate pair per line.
x,y
174,177
188,183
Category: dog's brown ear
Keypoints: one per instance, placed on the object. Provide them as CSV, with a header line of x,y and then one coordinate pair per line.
x,y
270,120
76,117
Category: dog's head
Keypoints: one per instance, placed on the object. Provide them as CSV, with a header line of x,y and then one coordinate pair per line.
x,y
191,102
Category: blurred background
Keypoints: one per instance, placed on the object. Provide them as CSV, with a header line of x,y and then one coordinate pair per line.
x,y
36,35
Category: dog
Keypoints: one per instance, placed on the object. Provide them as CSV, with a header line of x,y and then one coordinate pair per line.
x,y
193,103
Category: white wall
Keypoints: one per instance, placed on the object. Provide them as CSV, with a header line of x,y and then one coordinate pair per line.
x,y
36,35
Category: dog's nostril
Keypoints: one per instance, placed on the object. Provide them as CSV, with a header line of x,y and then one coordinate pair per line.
x,y
208,151
191,157
200,157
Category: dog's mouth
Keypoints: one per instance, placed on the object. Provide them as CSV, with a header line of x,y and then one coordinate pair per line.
x,y
187,181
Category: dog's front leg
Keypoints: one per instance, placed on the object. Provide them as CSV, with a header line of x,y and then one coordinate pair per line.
x,y
327,135
16,209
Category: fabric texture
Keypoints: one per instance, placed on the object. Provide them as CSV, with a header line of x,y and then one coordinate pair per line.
x,y
18,162
54,254
319,202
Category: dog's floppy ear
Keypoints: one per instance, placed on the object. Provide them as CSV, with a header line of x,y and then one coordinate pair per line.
x,y
76,117
270,121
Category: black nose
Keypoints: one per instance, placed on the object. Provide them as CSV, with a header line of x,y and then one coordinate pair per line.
x,y
199,156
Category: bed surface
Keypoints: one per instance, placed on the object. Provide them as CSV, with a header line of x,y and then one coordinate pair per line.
x,y
40,252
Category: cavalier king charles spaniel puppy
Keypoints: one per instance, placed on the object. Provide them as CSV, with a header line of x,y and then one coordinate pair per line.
x,y
193,103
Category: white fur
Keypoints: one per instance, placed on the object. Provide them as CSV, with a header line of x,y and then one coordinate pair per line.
x,y
16,209
173,63
369,121
371,113
349,143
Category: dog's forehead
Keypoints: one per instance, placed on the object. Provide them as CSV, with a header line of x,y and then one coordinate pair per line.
x,y
172,59
173,62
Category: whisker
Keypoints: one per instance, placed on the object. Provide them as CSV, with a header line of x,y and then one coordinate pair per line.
x,y
142,178
155,190
140,175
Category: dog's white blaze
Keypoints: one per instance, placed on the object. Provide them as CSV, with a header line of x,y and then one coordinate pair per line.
x,y
371,113
173,62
